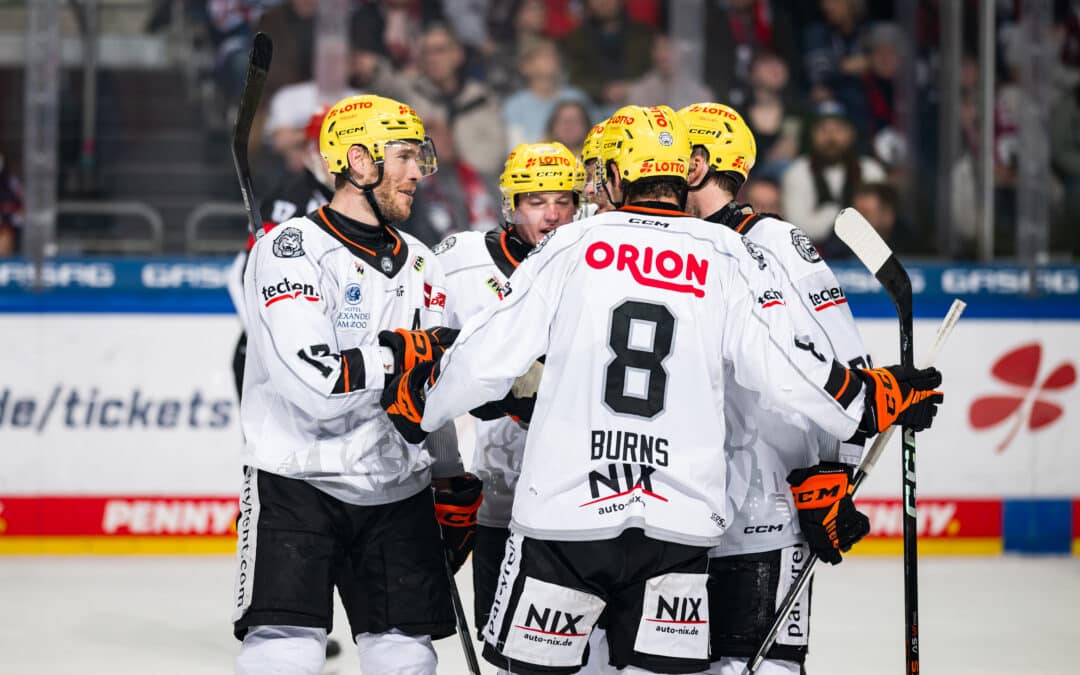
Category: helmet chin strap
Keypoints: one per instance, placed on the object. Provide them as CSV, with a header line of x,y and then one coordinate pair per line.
x,y
369,192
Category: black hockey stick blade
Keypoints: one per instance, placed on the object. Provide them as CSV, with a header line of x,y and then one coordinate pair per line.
x,y
462,623
865,242
262,50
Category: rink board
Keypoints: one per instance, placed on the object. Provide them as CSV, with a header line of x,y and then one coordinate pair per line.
x,y
119,430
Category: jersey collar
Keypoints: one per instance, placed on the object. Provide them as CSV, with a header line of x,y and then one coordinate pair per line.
x,y
655,208
506,249
378,245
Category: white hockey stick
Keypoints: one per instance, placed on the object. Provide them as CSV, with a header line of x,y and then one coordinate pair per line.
x,y
869,460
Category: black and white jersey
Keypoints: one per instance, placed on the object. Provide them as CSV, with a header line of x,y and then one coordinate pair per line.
x,y
318,290
762,446
640,312
478,267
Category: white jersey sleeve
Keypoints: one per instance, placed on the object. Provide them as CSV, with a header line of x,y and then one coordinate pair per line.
x,y
640,319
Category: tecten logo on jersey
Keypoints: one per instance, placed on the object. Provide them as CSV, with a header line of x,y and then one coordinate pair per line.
x,y
289,290
771,298
827,297
646,265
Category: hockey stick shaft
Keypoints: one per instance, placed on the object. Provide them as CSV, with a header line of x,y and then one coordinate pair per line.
x,y
865,467
462,623
262,51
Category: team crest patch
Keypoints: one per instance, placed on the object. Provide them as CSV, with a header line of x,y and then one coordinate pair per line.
x,y
386,264
805,247
289,244
353,294
755,253
444,245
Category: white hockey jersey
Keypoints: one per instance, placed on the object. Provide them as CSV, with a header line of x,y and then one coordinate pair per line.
x,y
763,449
478,268
639,311
318,290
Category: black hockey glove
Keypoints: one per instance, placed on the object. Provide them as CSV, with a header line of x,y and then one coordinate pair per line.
x,y
403,400
520,401
457,500
827,516
413,347
898,395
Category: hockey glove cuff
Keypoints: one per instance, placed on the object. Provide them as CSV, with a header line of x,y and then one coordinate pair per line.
x,y
827,516
403,400
457,500
413,347
899,395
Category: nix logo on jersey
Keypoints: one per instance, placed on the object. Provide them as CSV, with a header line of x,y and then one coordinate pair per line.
x,y
827,297
657,269
289,290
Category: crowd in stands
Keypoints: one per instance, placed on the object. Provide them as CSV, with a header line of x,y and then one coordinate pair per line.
x,y
816,81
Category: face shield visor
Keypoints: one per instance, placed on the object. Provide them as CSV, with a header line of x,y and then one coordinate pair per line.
x,y
423,152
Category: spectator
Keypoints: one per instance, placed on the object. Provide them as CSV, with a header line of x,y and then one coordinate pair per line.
x,y
527,111
471,108
879,202
1065,151
771,115
763,195
456,198
656,87
606,51
817,185
293,26
875,107
228,24
11,210
833,51
569,124
745,28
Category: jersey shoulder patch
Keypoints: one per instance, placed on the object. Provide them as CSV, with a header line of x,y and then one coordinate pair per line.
x,y
467,250
288,242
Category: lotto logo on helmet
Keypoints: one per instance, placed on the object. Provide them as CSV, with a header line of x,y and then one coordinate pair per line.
x,y
659,118
349,107
405,110
548,160
664,166
714,110
621,119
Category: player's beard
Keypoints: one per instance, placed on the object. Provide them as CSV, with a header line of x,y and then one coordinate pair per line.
x,y
392,204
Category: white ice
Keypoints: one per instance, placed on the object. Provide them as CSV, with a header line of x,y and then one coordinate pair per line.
x,y
170,616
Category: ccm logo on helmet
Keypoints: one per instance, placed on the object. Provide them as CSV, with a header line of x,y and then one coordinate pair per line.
x,y
646,266
713,110
667,166
356,105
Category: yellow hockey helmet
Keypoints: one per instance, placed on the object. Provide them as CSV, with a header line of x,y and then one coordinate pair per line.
x,y
646,142
590,150
723,133
538,167
372,122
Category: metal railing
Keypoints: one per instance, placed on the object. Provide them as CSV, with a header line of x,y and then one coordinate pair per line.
x,y
69,241
194,242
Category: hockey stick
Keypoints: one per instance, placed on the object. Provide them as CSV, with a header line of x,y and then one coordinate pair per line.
x,y
462,623
861,237
262,50
865,467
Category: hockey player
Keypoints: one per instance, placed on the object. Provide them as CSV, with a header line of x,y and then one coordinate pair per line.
x,y
640,313
333,496
539,191
299,194
765,546
595,199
